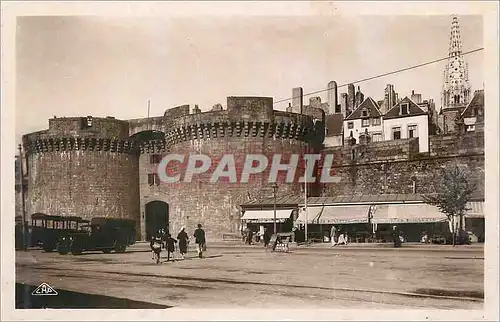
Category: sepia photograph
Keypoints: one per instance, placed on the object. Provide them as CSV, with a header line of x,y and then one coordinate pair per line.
x,y
273,161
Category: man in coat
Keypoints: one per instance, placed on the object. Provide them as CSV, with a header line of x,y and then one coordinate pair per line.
x,y
199,235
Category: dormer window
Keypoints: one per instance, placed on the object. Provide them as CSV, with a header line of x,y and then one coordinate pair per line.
x,y
404,108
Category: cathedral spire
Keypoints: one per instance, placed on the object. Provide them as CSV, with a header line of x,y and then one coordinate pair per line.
x,y
456,87
455,48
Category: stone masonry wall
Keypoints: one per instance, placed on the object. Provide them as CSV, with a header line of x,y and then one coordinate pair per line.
x,y
84,183
216,206
248,126
392,166
77,170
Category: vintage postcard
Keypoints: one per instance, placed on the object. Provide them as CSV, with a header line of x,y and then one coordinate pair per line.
x,y
250,160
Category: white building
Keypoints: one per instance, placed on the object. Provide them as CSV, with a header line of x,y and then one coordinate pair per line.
x,y
407,120
366,117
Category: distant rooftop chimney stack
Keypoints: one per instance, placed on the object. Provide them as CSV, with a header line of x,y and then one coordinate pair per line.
x,y
297,100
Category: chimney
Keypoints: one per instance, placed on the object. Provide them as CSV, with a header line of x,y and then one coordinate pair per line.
x,y
359,98
389,98
344,104
332,98
412,92
297,100
352,96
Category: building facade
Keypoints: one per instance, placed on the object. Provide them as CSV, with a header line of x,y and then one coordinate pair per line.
x,y
365,119
406,120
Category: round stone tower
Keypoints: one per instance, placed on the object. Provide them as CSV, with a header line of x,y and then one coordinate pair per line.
x,y
249,125
83,166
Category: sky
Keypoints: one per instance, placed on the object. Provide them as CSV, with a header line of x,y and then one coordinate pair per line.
x,y
112,66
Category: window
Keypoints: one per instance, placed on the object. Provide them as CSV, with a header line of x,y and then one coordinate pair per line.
x,y
89,121
365,122
404,108
376,121
364,113
154,158
376,137
350,125
153,179
396,133
412,131
471,128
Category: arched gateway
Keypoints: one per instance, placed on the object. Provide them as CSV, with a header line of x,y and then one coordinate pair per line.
x,y
157,217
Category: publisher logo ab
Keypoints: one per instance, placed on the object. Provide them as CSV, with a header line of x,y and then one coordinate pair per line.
x,y
44,289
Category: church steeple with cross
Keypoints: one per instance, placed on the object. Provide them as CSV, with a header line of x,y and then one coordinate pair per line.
x,y
456,87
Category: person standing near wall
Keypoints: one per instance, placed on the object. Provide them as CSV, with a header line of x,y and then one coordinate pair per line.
x,y
200,240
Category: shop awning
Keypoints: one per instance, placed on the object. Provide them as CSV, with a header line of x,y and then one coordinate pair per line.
x,y
407,213
476,209
312,215
344,214
266,216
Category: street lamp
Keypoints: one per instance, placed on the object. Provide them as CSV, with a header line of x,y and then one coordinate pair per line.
x,y
23,218
275,189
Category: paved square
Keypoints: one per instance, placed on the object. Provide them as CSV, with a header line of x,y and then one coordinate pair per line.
x,y
376,276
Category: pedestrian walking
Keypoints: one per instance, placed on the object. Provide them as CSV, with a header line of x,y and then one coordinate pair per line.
x,y
156,245
249,237
333,235
396,233
200,240
267,237
183,239
170,247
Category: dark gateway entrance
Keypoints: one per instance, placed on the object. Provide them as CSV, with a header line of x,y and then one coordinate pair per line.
x,y
156,218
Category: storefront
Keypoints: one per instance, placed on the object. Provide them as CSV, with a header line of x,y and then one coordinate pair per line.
x,y
259,214
474,220
370,218
414,220
257,220
352,220
311,216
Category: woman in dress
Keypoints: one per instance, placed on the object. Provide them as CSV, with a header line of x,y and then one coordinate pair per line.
x,y
183,239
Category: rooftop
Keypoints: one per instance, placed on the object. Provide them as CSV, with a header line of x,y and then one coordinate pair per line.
x,y
370,105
